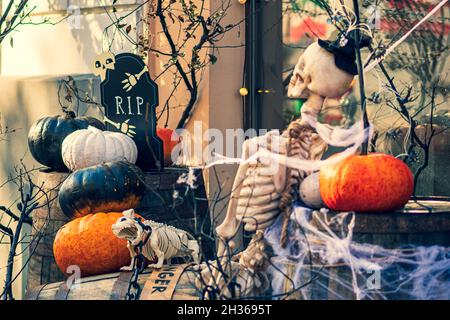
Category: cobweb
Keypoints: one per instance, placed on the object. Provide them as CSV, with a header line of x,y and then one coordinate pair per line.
x,y
321,261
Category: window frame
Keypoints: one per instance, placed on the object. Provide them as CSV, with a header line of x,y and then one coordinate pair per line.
x,y
263,68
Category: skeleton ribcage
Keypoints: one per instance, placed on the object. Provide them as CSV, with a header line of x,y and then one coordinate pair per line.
x,y
258,199
169,241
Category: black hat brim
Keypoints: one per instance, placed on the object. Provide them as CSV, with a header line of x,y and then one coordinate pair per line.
x,y
342,61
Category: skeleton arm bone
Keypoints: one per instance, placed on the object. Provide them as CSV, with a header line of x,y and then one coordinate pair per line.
x,y
132,79
229,226
124,127
114,124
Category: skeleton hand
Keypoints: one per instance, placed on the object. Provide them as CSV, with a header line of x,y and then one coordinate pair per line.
x,y
255,256
123,127
132,79
127,128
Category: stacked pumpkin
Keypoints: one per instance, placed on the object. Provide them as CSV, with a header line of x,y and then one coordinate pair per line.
x,y
103,183
362,183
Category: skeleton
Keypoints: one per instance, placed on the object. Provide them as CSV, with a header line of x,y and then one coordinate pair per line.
x,y
158,241
250,282
260,193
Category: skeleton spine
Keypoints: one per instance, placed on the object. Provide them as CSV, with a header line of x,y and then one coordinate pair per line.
x,y
296,133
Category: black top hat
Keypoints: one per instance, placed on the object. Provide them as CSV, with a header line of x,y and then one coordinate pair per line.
x,y
343,49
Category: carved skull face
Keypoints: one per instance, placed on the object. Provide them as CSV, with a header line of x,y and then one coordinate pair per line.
x,y
103,62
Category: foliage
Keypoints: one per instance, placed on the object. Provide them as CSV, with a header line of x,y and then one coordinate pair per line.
x,y
192,31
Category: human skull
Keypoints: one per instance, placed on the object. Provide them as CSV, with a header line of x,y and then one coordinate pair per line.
x,y
103,62
317,73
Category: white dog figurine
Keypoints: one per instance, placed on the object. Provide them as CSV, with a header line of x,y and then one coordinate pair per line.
x,y
156,241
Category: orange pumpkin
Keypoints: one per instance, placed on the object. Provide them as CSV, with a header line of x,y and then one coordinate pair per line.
x,y
88,242
165,134
376,182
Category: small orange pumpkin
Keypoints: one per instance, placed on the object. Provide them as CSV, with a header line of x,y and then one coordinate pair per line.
x,y
165,134
375,182
88,242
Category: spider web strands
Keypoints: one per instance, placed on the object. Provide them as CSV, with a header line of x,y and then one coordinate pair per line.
x,y
403,38
320,243
352,138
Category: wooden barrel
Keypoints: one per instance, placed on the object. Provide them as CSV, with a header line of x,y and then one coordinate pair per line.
x,y
423,223
47,220
112,286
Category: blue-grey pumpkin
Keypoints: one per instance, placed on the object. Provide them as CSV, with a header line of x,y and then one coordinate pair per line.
x,y
109,187
47,134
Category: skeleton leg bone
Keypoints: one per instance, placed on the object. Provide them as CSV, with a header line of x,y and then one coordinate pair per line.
x,y
195,250
132,255
160,255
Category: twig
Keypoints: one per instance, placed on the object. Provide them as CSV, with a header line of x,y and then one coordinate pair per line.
x,y
364,146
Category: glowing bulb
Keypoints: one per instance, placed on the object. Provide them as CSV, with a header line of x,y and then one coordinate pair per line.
x,y
243,91
242,1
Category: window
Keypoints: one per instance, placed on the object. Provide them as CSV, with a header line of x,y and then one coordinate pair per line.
x,y
278,32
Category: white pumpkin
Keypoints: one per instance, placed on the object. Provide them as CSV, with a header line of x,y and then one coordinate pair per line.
x,y
310,191
91,146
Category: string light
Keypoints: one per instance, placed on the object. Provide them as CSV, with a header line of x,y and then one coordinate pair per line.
x,y
243,91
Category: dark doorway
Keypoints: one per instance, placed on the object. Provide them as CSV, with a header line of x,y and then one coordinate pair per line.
x,y
263,68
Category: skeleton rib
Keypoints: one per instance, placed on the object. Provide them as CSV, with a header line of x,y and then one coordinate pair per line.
x,y
261,200
257,191
250,211
256,179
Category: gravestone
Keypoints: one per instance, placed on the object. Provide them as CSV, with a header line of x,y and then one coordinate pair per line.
x,y
130,99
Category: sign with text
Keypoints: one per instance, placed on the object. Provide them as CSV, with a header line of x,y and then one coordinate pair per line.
x,y
130,99
161,283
